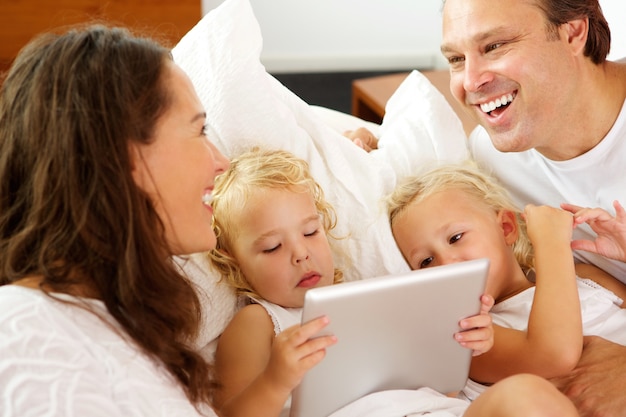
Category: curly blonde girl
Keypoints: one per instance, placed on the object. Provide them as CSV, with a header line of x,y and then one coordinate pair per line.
x,y
252,171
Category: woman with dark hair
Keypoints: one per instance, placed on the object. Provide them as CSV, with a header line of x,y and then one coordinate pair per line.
x,y
105,173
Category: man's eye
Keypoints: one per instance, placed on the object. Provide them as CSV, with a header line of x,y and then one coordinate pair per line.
x,y
455,59
492,46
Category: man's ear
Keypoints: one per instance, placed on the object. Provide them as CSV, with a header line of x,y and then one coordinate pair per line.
x,y
576,33
509,226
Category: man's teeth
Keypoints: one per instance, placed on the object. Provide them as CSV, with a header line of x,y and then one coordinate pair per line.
x,y
492,105
207,199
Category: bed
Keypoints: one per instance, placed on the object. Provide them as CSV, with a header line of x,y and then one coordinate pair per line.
x,y
248,107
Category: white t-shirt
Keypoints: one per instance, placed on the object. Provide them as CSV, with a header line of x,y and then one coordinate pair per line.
x,y
58,359
594,179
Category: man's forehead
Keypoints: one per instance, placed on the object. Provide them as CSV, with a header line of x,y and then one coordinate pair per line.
x,y
477,20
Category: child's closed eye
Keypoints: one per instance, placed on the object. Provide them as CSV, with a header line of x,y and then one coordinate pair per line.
x,y
313,233
272,249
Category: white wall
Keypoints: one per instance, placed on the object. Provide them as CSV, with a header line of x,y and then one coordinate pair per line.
x,y
365,35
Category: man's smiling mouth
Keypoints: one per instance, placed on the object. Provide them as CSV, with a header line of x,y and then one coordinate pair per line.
x,y
503,101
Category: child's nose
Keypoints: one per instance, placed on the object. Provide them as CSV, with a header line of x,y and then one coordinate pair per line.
x,y
300,256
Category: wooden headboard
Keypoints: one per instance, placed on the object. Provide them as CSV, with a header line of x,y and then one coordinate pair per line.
x,y
20,20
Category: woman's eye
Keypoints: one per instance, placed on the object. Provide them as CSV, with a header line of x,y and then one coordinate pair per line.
x,y
456,238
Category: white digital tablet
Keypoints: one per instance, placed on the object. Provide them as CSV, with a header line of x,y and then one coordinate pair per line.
x,y
394,332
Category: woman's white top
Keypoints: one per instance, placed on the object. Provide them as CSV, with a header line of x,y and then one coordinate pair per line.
x,y
58,359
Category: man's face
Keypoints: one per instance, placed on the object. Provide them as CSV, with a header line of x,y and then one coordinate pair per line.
x,y
509,71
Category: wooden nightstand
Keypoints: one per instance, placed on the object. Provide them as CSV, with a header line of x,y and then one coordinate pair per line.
x,y
370,95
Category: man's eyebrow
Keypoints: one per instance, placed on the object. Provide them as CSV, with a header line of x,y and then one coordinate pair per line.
x,y
478,38
445,48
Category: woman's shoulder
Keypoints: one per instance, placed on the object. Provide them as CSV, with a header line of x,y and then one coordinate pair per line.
x,y
30,313
23,304
67,357
58,326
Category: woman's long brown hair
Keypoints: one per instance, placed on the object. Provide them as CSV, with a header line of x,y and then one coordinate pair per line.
x,y
70,211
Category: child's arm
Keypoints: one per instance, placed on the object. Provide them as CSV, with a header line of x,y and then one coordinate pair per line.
x,y
552,344
611,231
256,371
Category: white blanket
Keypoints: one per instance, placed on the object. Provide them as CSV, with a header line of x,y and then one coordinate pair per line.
x,y
401,403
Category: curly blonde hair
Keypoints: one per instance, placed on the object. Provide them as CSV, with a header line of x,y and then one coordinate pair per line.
x,y
467,178
253,170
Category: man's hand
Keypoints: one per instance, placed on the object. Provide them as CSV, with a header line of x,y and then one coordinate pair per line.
x,y
611,230
596,385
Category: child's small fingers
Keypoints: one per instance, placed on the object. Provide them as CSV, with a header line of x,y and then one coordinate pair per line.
x,y
478,348
473,322
301,333
486,303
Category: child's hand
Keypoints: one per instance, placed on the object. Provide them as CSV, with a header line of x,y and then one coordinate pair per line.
x,y
294,352
362,138
611,231
546,224
477,331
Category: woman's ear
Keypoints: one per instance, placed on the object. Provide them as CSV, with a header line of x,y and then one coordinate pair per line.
x,y
136,164
509,225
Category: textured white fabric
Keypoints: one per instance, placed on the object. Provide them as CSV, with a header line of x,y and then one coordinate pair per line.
x,y
401,403
594,179
601,311
60,360
601,314
248,107
282,317
217,298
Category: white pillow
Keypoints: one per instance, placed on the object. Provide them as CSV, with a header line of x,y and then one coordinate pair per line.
x,y
246,106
